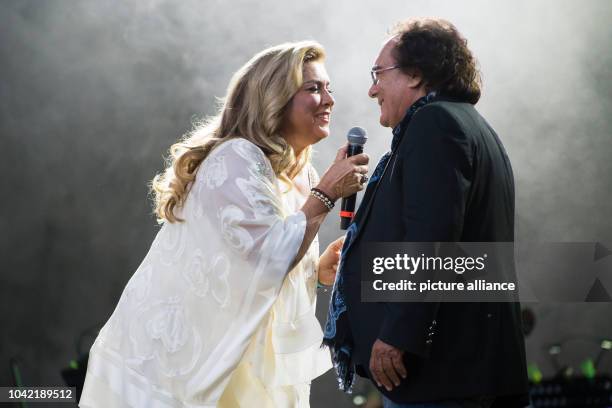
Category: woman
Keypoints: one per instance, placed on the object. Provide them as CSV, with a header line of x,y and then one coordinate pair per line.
x,y
221,310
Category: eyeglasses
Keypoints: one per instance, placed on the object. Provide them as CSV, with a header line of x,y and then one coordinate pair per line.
x,y
375,71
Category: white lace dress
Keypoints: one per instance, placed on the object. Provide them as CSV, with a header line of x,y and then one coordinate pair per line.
x,y
211,317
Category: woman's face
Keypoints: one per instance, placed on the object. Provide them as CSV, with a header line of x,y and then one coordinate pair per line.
x,y
307,118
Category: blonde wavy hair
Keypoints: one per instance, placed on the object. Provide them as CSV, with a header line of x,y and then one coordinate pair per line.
x,y
254,108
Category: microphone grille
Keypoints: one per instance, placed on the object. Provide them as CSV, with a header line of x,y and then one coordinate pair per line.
x,y
357,136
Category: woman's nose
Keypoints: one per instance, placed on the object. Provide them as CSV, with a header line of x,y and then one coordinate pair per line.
x,y
328,99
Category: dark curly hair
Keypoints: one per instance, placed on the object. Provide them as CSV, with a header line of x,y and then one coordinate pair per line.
x,y
438,52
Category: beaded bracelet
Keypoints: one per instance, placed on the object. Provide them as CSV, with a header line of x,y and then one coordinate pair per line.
x,y
324,198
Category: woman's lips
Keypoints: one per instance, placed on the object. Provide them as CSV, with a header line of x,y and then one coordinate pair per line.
x,y
324,117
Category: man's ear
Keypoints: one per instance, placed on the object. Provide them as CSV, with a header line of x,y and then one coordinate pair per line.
x,y
415,79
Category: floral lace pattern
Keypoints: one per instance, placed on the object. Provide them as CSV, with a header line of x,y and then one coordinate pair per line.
x,y
238,237
205,287
216,174
164,333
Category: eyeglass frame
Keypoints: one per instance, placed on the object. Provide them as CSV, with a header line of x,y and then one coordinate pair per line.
x,y
375,71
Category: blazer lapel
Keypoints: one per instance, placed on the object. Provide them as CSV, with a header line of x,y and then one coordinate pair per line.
x,y
368,199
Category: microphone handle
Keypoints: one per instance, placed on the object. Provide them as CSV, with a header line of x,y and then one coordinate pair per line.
x,y
347,211
354,149
347,208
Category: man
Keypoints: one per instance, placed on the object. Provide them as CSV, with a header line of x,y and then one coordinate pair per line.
x,y
447,178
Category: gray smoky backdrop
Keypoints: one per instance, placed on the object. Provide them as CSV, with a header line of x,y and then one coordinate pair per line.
x,y
94,92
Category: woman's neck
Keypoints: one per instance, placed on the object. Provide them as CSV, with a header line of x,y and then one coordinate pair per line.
x,y
298,148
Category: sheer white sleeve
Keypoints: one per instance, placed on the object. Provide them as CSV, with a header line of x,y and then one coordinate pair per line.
x,y
237,202
189,312
239,195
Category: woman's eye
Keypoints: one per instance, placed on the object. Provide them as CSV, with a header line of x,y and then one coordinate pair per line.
x,y
317,89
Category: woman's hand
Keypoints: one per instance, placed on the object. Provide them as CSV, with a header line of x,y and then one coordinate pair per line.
x,y
345,176
328,262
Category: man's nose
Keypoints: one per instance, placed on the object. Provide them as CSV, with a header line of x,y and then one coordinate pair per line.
x,y
373,91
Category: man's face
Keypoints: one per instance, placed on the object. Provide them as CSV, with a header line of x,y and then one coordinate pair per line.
x,y
394,91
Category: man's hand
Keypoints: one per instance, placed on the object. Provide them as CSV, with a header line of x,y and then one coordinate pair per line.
x,y
386,365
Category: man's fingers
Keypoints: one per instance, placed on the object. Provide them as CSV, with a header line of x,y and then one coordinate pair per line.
x,y
374,370
383,378
389,370
377,371
386,365
399,366
375,378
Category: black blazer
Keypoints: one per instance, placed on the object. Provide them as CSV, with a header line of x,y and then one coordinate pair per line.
x,y
449,180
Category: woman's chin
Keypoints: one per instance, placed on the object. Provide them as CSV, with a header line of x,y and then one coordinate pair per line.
x,y
317,134
321,132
